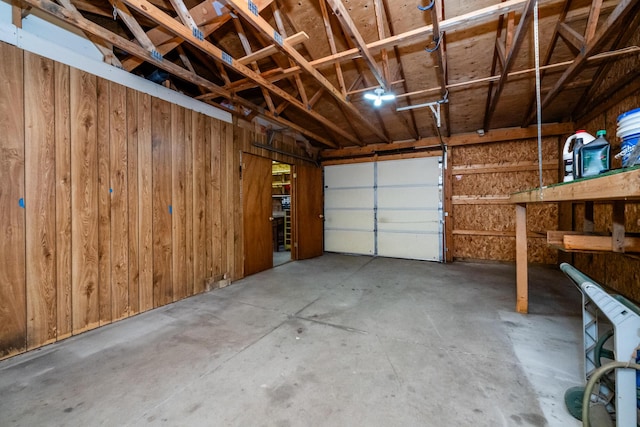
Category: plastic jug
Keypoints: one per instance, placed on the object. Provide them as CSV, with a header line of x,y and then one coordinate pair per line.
x,y
594,158
569,151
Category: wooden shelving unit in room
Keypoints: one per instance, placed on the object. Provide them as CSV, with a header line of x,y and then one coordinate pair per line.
x,y
616,187
287,230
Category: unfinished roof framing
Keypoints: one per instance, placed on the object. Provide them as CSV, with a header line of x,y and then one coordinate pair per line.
x,y
305,65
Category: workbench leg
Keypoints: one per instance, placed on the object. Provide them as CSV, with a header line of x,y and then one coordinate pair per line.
x,y
522,285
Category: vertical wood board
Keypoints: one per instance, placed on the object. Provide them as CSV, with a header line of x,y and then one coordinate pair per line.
x,y
179,209
40,200
145,202
104,202
13,304
161,188
84,200
133,219
63,201
119,202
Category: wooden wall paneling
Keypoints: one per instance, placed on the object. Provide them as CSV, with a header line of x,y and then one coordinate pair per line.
x,y
208,201
217,130
13,305
235,206
133,219
227,130
145,202
161,185
40,200
63,200
188,191
104,201
118,191
178,217
84,200
199,203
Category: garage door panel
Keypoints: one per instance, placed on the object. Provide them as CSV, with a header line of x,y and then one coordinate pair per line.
x,y
388,208
408,197
411,246
353,242
347,219
409,171
356,175
419,221
349,198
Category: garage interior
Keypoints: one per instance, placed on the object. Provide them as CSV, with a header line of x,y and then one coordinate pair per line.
x,y
308,212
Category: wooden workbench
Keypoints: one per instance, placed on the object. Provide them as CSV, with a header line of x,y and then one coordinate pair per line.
x,y
617,187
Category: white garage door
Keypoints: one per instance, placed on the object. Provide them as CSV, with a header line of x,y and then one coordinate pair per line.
x,y
389,208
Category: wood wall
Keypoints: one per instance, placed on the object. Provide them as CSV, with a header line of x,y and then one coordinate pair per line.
x,y
112,202
618,271
483,176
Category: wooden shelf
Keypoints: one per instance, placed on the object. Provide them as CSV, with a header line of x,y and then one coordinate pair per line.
x,y
616,187
620,184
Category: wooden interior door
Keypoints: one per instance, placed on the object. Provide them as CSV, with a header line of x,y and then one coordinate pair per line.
x,y
256,213
308,212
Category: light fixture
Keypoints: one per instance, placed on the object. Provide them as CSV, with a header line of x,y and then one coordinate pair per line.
x,y
379,96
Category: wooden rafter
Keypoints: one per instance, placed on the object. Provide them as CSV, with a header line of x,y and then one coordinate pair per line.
x,y
259,23
613,23
254,65
410,122
589,102
141,37
185,16
298,81
152,12
518,38
270,50
350,28
547,57
206,17
332,45
441,60
132,48
380,23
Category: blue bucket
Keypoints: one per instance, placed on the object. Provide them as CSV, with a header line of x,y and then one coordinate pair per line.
x,y
629,132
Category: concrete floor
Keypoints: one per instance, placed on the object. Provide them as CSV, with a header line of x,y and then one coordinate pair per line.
x,y
333,341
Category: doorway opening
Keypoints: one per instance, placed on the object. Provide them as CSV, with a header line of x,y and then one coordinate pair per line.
x,y
281,212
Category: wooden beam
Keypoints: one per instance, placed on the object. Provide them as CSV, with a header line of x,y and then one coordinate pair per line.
x,y
617,227
185,16
599,243
132,24
522,281
254,65
380,23
572,37
610,26
466,20
441,61
83,24
265,52
16,13
152,12
259,23
592,23
503,167
277,16
332,45
107,53
350,28
509,61
510,134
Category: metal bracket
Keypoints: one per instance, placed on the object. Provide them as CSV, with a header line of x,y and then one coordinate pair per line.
x,y
434,106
